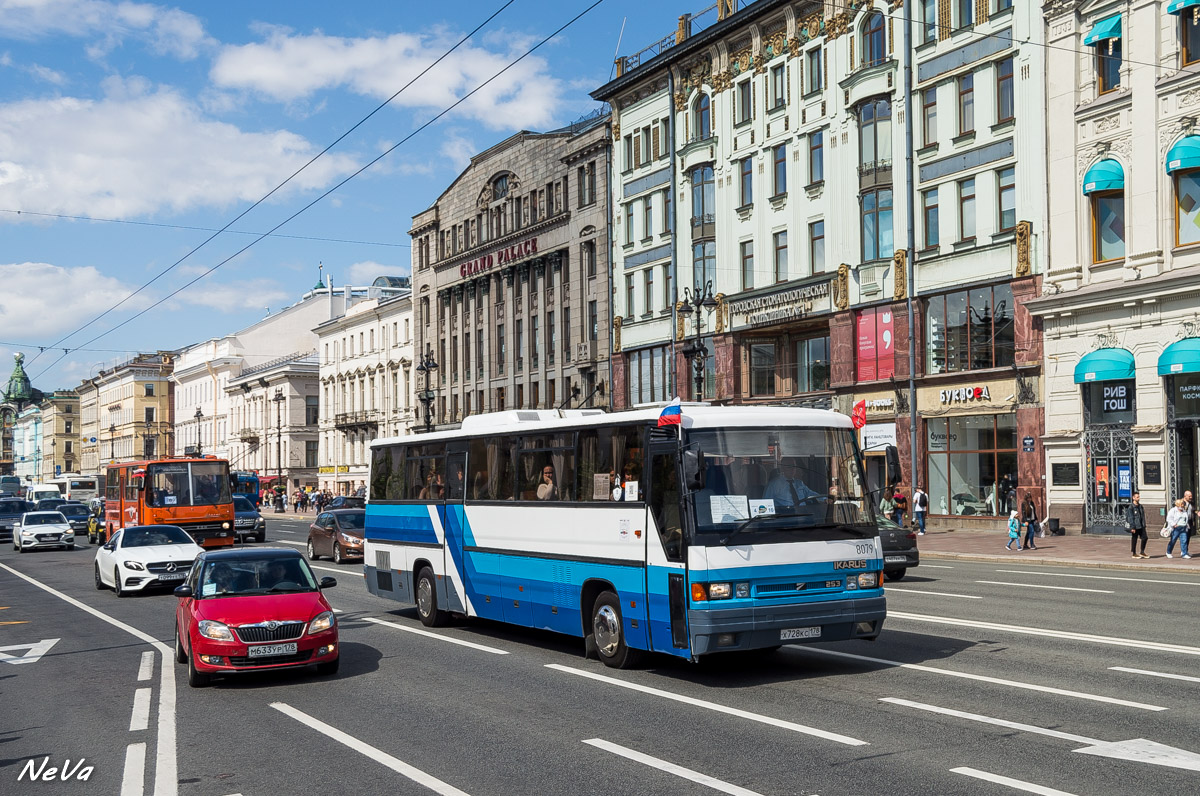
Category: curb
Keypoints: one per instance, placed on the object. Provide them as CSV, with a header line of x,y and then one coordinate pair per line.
x,y
1060,562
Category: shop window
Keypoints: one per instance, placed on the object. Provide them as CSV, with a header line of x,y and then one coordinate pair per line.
x,y
812,364
762,370
970,330
1108,226
972,465
1187,207
875,344
1111,402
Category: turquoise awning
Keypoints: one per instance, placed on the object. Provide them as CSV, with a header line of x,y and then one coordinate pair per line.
x,y
1179,6
1182,356
1105,364
1185,154
1107,28
1107,175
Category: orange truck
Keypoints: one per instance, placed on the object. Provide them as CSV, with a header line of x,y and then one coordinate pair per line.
x,y
191,493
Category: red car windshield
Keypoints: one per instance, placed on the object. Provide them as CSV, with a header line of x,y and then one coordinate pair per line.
x,y
240,577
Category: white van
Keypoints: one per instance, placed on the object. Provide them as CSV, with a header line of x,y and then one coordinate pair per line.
x,y
41,492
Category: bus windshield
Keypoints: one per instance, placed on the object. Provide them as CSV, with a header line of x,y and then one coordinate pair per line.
x,y
780,479
187,484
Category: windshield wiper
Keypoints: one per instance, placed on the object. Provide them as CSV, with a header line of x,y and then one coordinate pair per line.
x,y
725,539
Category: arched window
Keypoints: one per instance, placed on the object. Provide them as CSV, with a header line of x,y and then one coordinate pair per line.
x,y
702,117
500,187
873,41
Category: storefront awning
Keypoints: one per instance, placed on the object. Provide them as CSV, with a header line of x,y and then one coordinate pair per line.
x,y
1107,175
1179,6
1182,356
1105,364
1185,154
1107,28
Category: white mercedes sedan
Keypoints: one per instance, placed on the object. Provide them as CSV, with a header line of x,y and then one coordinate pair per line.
x,y
43,529
145,555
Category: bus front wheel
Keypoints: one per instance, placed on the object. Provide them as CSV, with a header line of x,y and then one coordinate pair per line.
x,y
608,631
427,606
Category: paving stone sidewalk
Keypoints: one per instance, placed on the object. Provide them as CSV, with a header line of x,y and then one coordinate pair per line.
x,y
1075,550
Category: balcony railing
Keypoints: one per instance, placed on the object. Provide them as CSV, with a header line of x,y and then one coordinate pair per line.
x,y
365,417
874,174
704,226
249,435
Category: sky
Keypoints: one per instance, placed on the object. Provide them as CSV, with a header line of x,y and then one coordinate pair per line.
x,y
130,132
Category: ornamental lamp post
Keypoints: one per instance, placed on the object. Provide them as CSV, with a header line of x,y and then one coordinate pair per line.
x,y
112,441
695,350
199,416
427,367
278,401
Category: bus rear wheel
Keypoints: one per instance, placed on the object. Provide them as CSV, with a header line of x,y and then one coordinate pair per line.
x,y
608,631
427,606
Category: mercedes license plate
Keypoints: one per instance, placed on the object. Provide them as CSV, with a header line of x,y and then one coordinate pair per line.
x,y
268,650
168,576
792,633
895,559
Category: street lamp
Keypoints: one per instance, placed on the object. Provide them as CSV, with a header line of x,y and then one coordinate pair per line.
x,y
112,441
199,416
278,400
696,351
427,367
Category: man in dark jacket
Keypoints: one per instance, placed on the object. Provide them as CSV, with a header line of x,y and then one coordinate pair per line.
x,y
1135,518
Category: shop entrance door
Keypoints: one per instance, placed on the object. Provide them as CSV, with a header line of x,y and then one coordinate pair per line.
x,y
1185,474
1111,458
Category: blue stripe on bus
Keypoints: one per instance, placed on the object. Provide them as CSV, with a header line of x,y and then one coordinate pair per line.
x,y
406,523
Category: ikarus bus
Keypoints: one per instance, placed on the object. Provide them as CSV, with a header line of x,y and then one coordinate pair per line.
x,y
741,528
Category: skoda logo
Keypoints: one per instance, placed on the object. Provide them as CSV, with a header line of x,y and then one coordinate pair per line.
x,y
171,567
272,625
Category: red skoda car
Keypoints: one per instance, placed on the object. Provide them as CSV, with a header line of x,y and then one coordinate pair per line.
x,y
253,609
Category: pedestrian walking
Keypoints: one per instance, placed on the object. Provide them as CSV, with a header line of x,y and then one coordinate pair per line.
x,y
1135,523
1030,518
1177,520
1014,531
920,509
901,504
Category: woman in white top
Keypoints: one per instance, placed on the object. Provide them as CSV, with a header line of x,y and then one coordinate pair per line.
x,y
1177,523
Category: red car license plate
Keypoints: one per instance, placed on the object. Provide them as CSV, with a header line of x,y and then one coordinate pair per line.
x,y
268,650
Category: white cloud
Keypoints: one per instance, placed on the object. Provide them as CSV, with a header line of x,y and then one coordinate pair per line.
x,y
40,300
141,150
366,272
457,149
289,68
167,31
247,294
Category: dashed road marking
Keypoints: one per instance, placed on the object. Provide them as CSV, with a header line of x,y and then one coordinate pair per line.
x,y
1043,586
438,636
671,768
140,719
1149,673
1099,577
133,780
1017,784
894,590
146,668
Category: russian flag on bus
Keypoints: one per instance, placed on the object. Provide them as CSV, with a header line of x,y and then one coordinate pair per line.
x,y
671,415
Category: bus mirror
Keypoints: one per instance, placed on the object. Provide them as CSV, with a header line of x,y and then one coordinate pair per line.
x,y
893,465
693,469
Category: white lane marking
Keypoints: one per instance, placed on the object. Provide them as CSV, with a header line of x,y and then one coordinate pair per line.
x,y
1100,577
700,703
982,678
1016,784
146,669
289,541
166,771
399,766
341,571
671,768
338,611
437,636
140,719
894,590
33,652
935,566
1149,673
1037,631
1137,750
133,780
1041,586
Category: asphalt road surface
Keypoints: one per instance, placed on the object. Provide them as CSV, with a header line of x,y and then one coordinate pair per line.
x,y
988,679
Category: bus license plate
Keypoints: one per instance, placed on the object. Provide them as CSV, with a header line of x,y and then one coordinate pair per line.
x,y
791,633
268,650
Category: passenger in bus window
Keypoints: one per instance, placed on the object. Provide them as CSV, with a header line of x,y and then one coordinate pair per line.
x,y
547,489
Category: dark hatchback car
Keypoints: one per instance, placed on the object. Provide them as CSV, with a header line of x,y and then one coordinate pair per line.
x,y
11,510
49,504
337,534
347,502
899,548
77,514
247,521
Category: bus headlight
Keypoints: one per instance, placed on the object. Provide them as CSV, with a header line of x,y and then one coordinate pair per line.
x,y
719,591
868,580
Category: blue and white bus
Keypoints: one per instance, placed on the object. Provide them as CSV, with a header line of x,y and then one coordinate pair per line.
x,y
245,484
743,528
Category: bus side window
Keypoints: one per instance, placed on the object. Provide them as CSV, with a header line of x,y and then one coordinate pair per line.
x,y
396,474
664,503
381,471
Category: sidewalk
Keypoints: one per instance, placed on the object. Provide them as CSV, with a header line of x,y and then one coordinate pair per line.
x,y
1077,550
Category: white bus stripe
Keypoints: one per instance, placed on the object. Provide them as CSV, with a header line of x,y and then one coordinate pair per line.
x,y
1100,577
437,636
133,780
1041,586
1016,784
894,590
671,768
1149,673
982,678
1037,631
146,669
1012,725
399,766
140,719
700,703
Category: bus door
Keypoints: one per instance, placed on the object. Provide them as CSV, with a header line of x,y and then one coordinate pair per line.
x,y
666,570
451,595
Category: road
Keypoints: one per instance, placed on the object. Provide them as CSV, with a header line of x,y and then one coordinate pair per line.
x,y
988,679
